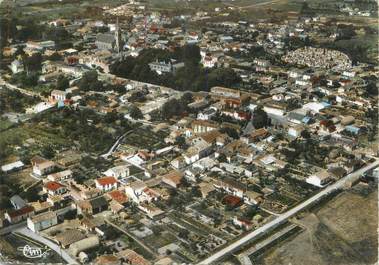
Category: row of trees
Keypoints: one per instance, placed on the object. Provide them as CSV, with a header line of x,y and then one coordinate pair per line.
x,y
21,29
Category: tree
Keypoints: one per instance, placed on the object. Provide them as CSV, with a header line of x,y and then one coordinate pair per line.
x,y
110,117
372,89
222,158
19,52
117,88
305,134
62,83
171,108
89,81
346,32
306,10
48,152
137,96
231,132
136,113
29,80
293,103
33,63
187,98
180,141
195,191
260,118
183,234
191,54
223,77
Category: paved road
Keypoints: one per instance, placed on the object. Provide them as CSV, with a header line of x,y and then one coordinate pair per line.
x,y
244,257
115,145
11,228
283,217
254,5
28,233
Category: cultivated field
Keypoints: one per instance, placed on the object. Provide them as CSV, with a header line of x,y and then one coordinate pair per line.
x,y
343,231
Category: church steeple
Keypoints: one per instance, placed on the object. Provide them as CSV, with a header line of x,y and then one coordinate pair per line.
x,y
117,36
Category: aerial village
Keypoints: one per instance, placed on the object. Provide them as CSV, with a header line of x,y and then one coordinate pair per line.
x,y
135,138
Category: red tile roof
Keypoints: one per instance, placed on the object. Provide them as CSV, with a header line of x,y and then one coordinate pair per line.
x,y
24,210
118,196
106,181
231,200
53,185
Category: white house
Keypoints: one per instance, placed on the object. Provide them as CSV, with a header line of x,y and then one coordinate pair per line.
x,y
58,95
39,107
274,110
134,190
54,188
12,166
106,183
42,221
295,131
200,149
17,66
60,176
319,179
139,192
206,114
42,168
118,171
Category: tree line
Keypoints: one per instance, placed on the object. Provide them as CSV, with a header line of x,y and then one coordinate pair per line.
x,y
191,77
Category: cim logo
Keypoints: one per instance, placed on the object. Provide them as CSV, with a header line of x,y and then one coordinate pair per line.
x,y
33,252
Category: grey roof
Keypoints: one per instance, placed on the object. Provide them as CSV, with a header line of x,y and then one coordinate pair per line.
x,y
98,202
17,201
296,116
105,37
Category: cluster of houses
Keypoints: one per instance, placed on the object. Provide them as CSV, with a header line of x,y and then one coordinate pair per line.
x,y
224,150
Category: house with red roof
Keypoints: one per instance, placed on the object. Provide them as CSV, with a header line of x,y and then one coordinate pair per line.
x,y
106,183
54,188
19,215
118,196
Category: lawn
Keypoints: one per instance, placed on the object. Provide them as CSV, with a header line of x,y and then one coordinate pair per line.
x,y
5,124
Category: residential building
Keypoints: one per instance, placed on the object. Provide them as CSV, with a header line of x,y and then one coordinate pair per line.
x,y
42,221
16,216
319,179
118,172
92,206
165,67
17,202
54,188
60,176
106,183
173,178
17,66
41,166
12,167
57,95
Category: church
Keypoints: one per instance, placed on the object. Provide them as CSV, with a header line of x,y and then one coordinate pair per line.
x,y
110,41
